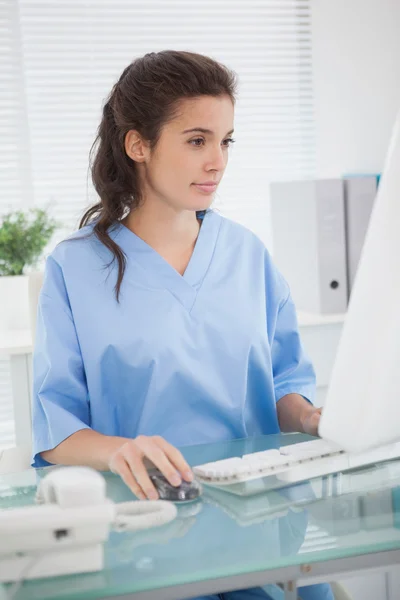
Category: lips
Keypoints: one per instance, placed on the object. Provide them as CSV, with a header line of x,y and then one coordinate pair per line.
x,y
207,183
207,187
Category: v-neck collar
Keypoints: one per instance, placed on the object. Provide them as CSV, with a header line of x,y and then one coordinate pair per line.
x,y
159,273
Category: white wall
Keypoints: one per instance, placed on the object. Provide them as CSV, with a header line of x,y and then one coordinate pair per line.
x,y
356,63
356,67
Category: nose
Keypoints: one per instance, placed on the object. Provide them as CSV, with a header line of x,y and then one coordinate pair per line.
x,y
216,159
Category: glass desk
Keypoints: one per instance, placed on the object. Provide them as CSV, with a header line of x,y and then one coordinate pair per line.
x,y
309,532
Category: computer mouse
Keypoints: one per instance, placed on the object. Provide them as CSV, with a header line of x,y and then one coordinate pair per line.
x,y
186,491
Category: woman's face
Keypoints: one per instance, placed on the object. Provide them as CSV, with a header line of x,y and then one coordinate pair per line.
x,y
190,158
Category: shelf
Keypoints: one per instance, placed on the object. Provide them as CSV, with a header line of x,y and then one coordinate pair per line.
x,y
312,320
15,342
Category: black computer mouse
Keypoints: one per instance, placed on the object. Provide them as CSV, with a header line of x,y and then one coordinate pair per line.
x,y
187,490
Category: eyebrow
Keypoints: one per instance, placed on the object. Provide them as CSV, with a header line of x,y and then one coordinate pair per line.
x,y
202,130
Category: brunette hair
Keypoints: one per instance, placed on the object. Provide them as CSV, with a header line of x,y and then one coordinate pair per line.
x,y
144,99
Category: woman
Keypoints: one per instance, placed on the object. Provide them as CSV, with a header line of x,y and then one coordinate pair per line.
x,y
162,324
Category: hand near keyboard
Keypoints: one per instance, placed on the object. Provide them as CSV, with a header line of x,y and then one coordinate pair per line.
x,y
295,413
311,422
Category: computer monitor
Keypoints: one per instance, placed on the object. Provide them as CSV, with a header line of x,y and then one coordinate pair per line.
x,y
362,408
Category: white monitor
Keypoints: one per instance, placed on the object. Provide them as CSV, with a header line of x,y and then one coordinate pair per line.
x,y
362,408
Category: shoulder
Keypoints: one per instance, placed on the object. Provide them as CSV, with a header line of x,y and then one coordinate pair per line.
x,y
240,237
247,244
78,245
77,261
235,230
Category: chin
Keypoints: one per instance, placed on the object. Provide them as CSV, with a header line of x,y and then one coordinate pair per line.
x,y
202,204
196,206
196,202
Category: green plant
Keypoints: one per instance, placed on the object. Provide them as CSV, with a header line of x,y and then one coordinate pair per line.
x,y
23,236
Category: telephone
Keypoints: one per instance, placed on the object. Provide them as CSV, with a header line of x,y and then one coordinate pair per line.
x,y
65,531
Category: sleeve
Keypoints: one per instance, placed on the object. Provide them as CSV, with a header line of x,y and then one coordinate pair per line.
x,y
292,370
60,395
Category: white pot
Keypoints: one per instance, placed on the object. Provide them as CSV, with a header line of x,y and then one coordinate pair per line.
x,y
14,303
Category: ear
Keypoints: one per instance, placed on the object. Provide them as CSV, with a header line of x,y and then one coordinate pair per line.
x,y
136,148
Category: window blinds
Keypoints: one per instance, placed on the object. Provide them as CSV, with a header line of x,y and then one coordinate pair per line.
x,y
74,51
60,58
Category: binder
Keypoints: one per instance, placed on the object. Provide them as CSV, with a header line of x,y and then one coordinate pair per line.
x,y
309,242
359,196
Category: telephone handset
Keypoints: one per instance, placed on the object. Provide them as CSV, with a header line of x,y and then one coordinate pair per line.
x,y
70,487
73,516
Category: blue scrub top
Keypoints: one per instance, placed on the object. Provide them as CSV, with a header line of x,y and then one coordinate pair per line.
x,y
196,358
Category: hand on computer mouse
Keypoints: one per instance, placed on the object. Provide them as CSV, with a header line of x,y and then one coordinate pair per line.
x,y
131,458
186,491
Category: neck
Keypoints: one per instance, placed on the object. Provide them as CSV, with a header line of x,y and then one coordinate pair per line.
x,y
163,228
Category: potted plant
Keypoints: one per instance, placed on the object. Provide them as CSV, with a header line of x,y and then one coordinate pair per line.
x,y
23,237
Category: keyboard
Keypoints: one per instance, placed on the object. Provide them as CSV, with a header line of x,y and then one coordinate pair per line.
x,y
290,464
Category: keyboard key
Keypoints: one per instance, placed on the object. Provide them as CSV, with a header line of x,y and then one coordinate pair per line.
x,y
221,468
265,454
267,459
314,448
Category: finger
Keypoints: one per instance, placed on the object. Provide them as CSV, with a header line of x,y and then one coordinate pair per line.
x,y
134,457
157,457
175,458
123,470
315,419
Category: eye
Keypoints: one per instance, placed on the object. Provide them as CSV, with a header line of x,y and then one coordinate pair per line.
x,y
196,141
228,142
